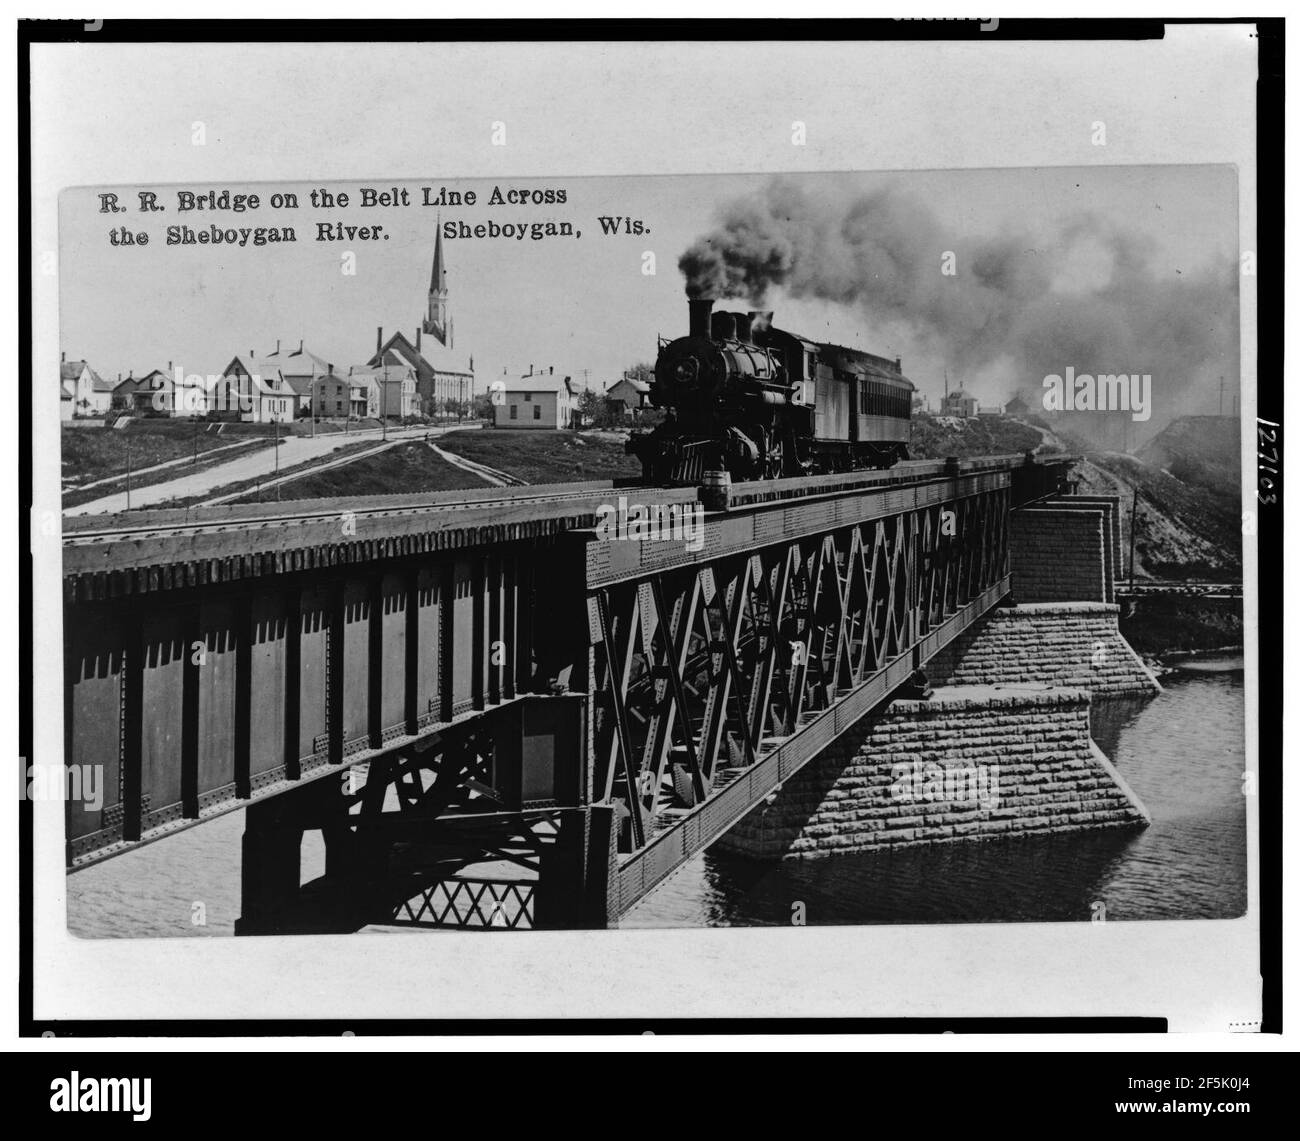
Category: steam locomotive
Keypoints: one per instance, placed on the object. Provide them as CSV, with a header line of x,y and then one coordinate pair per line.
x,y
761,403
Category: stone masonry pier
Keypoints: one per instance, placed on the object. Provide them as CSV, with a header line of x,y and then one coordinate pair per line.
x,y
1072,644
971,763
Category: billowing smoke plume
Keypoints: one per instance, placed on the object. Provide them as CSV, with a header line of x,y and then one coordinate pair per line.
x,y
1013,308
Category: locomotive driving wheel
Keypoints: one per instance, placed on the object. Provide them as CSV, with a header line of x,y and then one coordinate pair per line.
x,y
774,464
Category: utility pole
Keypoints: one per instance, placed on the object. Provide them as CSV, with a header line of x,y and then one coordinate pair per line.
x,y
1220,396
1132,536
277,459
128,473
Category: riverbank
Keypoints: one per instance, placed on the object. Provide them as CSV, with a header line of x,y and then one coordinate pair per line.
x,y
1161,625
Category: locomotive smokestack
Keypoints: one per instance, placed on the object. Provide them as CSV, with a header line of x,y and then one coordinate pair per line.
x,y
743,323
700,307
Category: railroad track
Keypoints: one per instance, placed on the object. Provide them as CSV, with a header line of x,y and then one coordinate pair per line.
x,y
193,525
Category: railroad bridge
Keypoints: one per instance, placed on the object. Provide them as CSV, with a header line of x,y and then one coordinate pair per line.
x,y
494,712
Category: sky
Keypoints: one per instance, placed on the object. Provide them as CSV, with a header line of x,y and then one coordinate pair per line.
x,y
583,305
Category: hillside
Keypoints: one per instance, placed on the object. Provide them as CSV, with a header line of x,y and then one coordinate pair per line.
x,y
936,437
1187,479
1203,451
1182,531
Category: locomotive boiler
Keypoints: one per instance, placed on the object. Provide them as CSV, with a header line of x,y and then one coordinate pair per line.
x,y
761,403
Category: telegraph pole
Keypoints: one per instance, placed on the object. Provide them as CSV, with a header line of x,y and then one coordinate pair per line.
x,y
1132,536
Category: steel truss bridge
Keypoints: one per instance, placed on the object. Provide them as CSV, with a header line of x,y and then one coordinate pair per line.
x,y
494,714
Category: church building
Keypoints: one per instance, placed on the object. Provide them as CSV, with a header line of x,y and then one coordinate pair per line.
x,y
444,379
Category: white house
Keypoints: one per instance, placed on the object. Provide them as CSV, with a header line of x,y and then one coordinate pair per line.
x,y
82,391
300,369
534,400
254,395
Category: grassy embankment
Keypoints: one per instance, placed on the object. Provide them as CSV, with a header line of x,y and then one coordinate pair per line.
x,y
92,455
406,468
547,457
412,467
100,455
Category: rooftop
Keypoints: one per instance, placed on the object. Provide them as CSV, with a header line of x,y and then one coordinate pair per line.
x,y
538,382
300,361
71,370
637,385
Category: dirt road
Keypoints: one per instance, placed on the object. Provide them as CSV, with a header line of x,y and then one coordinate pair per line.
x,y
293,450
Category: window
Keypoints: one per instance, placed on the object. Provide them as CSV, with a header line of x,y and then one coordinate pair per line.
x,y
528,397
514,412
537,411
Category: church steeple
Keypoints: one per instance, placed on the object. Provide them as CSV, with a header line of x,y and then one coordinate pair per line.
x,y
438,282
438,322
